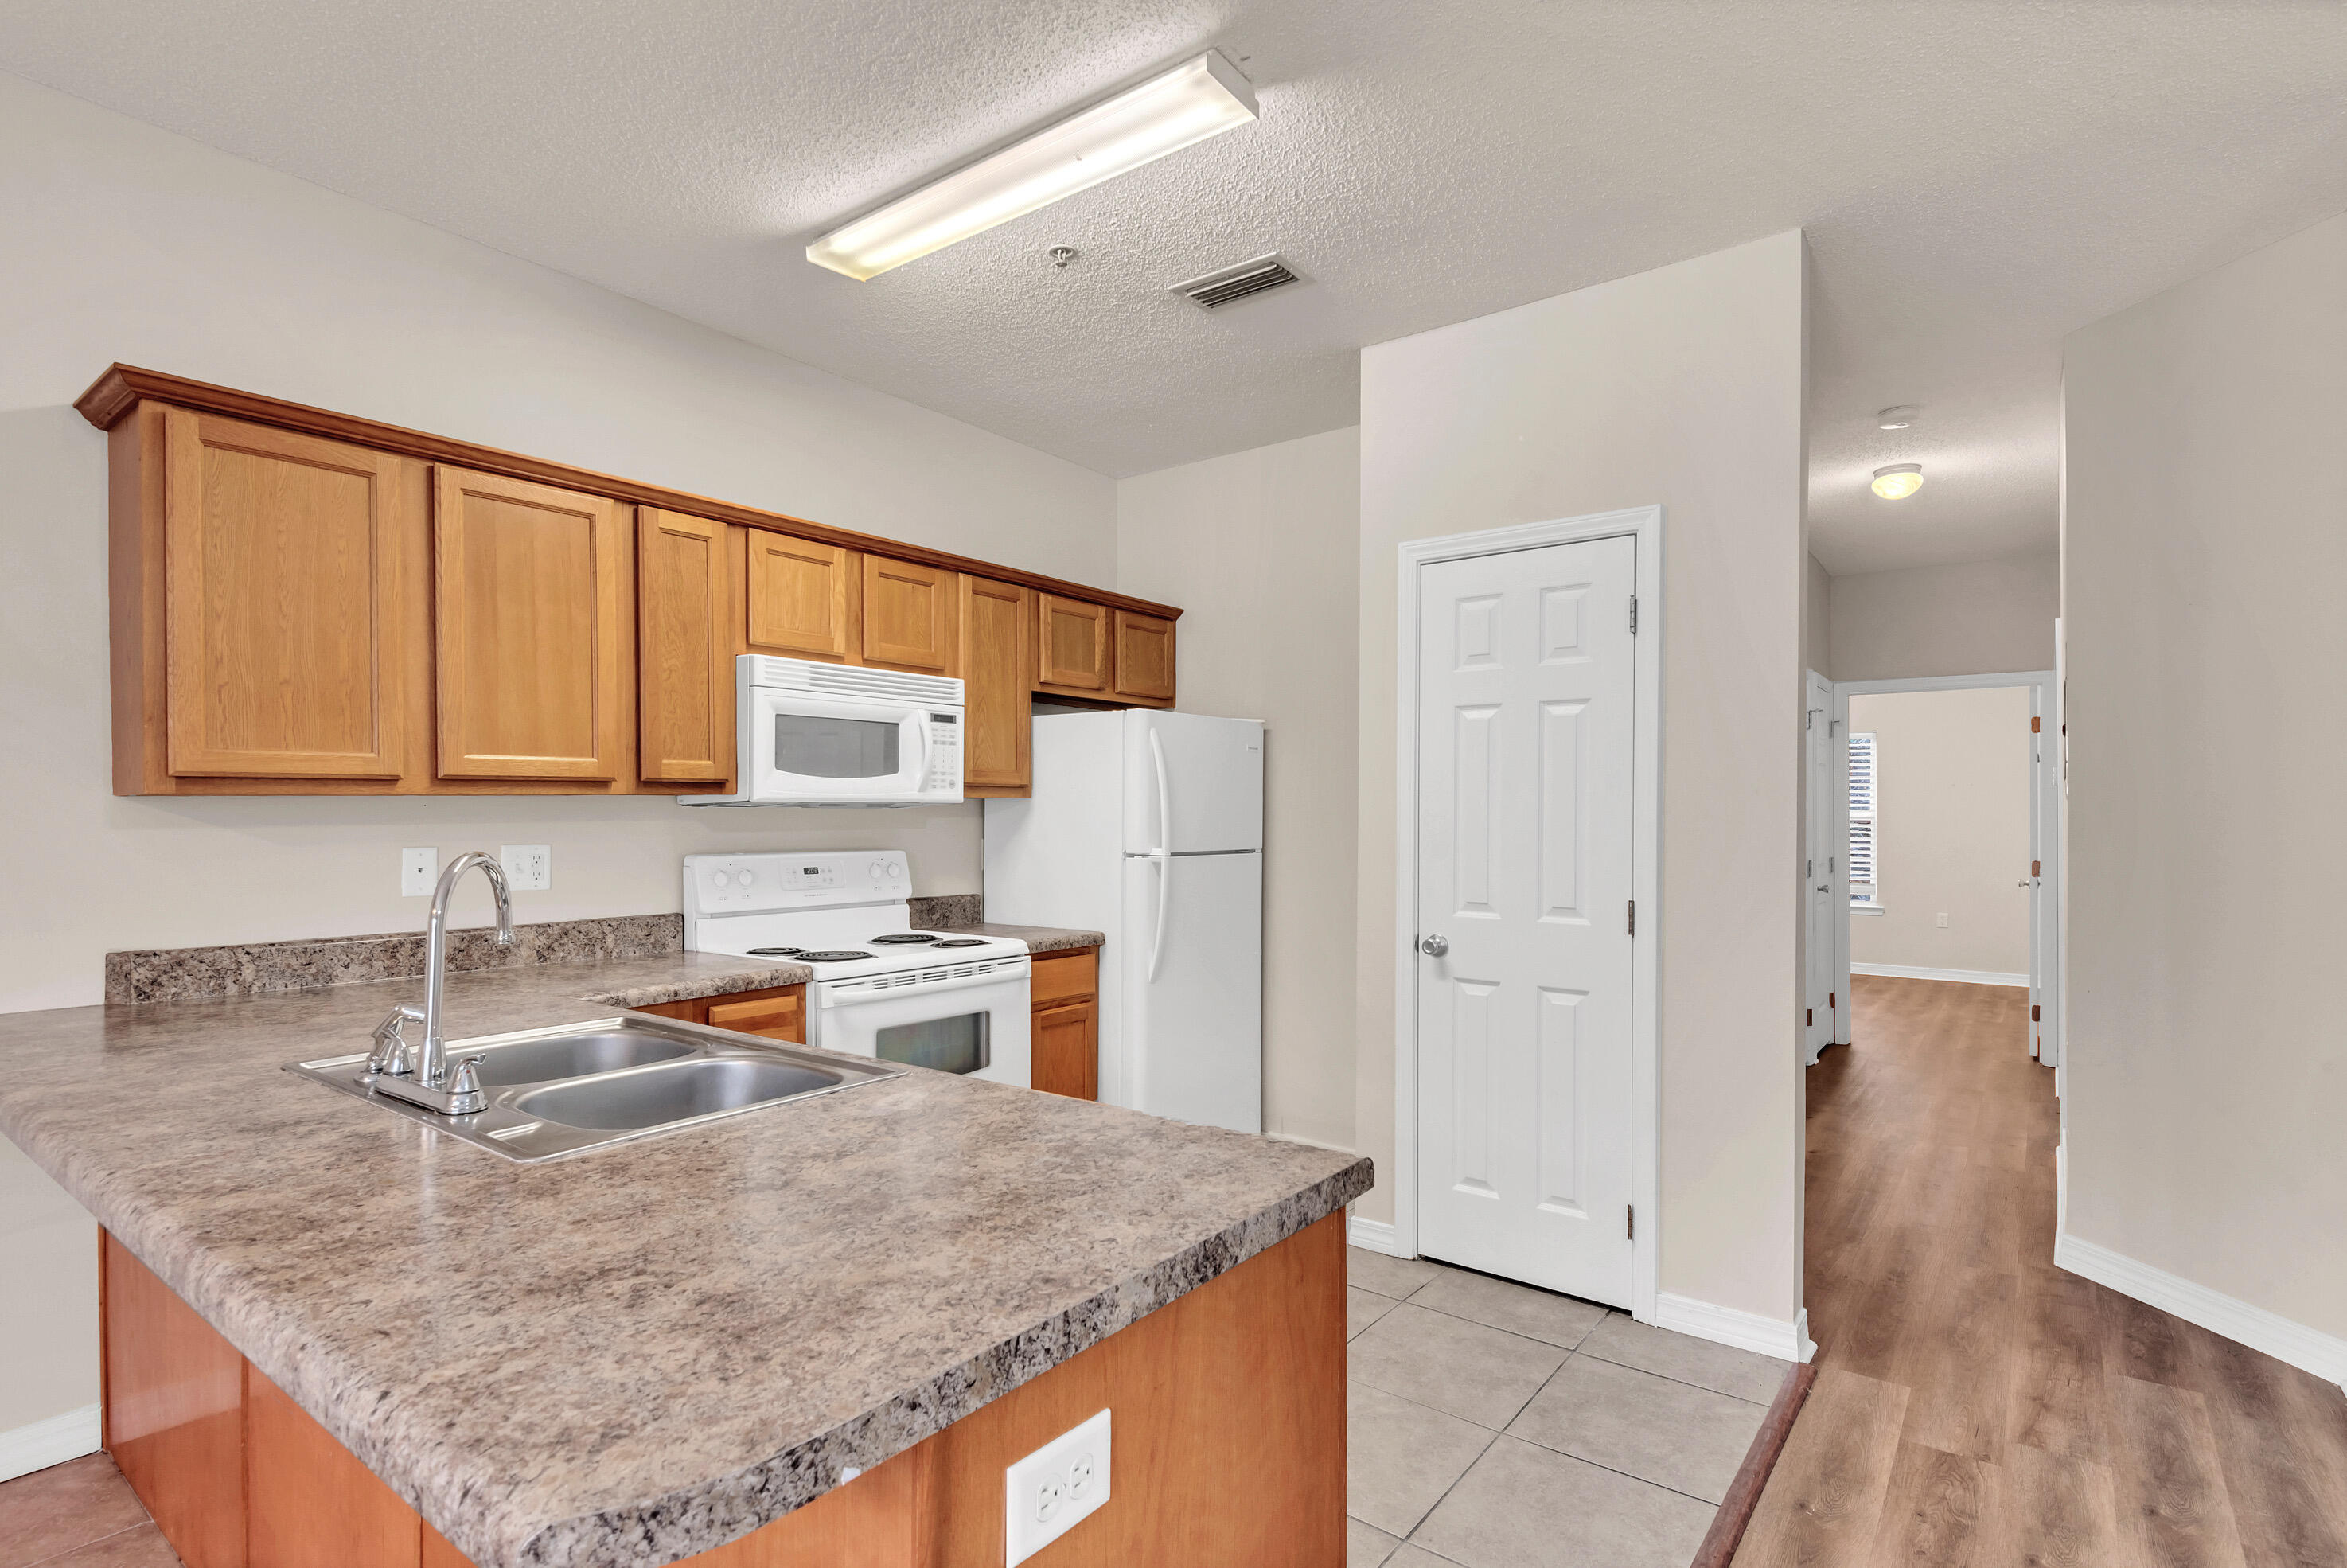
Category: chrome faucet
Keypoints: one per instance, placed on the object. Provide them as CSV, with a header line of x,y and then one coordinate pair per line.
x,y
427,1080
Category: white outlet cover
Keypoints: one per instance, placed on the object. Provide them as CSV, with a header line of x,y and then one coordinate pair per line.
x,y
419,870
1053,1489
528,867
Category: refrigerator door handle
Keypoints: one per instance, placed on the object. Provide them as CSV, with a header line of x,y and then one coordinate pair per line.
x,y
1157,940
1164,806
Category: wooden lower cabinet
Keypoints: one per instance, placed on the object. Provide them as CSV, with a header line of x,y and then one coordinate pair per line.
x,y
1064,1030
1234,1390
778,1012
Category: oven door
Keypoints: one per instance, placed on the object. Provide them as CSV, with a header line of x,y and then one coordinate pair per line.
x,y
801,748
969,1019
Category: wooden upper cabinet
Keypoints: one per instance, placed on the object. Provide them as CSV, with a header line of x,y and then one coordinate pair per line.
x,y
1144,657
910,614
1073,649
281,593
684,646
529,583
803,598
997,663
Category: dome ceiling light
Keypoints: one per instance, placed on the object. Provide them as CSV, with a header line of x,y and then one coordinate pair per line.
x,y
1897,418
1898,481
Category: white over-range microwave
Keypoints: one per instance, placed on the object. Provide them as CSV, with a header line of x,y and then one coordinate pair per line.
x,y
839,734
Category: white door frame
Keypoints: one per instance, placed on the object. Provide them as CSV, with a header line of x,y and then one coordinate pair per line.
x,y
1644,524
2045,979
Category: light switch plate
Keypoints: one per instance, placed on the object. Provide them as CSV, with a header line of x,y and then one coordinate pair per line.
x,y
529,867
1047,1493
419,869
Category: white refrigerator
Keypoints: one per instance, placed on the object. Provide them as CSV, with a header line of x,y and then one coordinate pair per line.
x,y
1148,825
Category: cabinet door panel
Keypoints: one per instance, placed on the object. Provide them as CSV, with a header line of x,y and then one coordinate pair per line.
x,y
530,629
804,596
909,615
1072,644
780,1016
1066,1052
997,672
174,1411
309,1500
283,595
1144,657
684,670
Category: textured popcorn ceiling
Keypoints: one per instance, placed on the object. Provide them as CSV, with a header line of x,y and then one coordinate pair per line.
x,y
1977,178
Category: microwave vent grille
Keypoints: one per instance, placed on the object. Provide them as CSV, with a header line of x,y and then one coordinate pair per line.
x,y
851,680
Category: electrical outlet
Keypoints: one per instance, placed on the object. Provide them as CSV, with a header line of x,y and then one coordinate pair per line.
x,y
419,869
529,867
1047,1493
1943,921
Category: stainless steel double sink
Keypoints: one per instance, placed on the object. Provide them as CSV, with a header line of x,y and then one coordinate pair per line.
x,y
576,1087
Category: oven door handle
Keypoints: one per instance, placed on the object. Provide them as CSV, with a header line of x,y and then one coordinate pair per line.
x,y
837,995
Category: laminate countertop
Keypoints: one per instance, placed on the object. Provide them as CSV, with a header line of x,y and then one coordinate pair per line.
x,y
652,1348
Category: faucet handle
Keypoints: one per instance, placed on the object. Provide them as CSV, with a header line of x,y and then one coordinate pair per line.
x,y
464,1096
390,1054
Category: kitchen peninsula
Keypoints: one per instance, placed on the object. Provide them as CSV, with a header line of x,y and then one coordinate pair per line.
x,y
810,1334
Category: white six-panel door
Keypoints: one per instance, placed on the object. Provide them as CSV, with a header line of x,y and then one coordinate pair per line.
x,y
1525,1105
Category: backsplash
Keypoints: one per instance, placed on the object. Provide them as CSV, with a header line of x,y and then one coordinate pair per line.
x,y
261,969
258,968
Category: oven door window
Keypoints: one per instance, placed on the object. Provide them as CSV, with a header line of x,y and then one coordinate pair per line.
x,y
957,1044
817,746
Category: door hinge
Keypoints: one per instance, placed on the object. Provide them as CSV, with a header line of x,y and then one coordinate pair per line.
x,y
2034,868
2032,1013
1634,917
1832,1002
2033,723
1630,1225
1808,1017
1808,868
1634,615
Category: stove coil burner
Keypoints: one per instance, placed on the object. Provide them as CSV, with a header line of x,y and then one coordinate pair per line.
x,y
841,956
778,952
902,939
961,941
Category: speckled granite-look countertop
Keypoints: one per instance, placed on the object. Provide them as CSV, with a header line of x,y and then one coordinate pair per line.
x,y
648,1350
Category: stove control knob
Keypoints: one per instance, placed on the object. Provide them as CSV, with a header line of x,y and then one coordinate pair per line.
x,y
879,868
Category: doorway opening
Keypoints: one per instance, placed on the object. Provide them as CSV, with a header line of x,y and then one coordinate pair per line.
x,y
1933,843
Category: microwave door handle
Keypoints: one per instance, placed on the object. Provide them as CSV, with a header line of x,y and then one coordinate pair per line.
x,y
1165,819
1157,941
921,728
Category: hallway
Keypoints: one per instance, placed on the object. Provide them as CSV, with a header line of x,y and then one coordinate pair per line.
x,y
1975,1405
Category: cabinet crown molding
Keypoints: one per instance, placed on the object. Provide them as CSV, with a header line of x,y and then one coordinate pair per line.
x,y
113,395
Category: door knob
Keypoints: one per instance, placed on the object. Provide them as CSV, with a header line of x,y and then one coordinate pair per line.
x,y
1435,946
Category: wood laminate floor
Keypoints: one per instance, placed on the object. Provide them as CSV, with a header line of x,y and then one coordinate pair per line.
x,y
1975,1405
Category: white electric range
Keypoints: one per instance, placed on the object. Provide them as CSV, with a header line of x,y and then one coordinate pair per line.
x,y
929,999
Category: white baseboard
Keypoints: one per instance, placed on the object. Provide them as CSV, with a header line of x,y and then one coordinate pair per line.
x,y
1731,1326
42,1444
2308,1349
1964,976
1373,1235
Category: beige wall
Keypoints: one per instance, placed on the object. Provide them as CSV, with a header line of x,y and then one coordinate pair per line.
x,y
1982,617
1258,549
1954,793
124,241
2205,543
1681,387
269,284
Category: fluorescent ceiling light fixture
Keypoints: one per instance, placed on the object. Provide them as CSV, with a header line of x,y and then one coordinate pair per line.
x,y
1898,481
1178,109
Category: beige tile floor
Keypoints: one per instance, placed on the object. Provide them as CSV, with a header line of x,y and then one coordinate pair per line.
x,y
1495,1426
1489,1426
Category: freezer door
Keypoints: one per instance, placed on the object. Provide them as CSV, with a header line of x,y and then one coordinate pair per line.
x,y
1191,785
1191,1023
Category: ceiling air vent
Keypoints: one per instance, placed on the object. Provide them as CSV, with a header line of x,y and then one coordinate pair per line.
x,y
1231,285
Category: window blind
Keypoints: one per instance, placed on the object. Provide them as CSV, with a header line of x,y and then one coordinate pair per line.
x,y
1865,822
